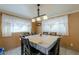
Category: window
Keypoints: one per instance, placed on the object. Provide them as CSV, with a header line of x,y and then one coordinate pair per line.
x,y
21,25
13,24
59,25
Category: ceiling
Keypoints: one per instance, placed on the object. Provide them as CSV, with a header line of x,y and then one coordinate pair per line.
x,y
30,10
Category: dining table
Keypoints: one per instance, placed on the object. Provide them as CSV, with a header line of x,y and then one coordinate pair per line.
x,y
43,43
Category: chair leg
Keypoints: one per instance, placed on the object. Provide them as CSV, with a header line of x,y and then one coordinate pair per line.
x,y
22,48
58,47
58,50
21,51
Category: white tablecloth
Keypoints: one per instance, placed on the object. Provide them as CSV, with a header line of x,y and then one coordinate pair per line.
x,y
42,43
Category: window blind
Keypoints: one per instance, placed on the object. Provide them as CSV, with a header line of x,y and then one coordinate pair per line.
x,y
58,24
14,24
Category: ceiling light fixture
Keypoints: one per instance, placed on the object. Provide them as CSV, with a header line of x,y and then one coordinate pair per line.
x,y
39,17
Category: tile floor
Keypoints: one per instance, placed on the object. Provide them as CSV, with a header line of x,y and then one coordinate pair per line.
x,y
63,51
16,51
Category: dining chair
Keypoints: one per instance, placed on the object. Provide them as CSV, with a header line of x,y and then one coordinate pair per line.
x,y
22,47
33,33
26,33
55,50
26,48
53,33
45,33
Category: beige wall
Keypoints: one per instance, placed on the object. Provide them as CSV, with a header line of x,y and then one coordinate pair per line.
x,y
34,27
39,29
72,41
11,42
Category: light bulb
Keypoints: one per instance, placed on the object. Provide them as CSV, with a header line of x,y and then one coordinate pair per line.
x,y
45,17
33,20
38,19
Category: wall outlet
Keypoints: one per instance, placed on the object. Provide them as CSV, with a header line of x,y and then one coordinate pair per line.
x,y
71,44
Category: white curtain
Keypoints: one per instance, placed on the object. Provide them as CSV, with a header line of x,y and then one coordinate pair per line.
x,y
21,25
14,24
6,25
58,24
